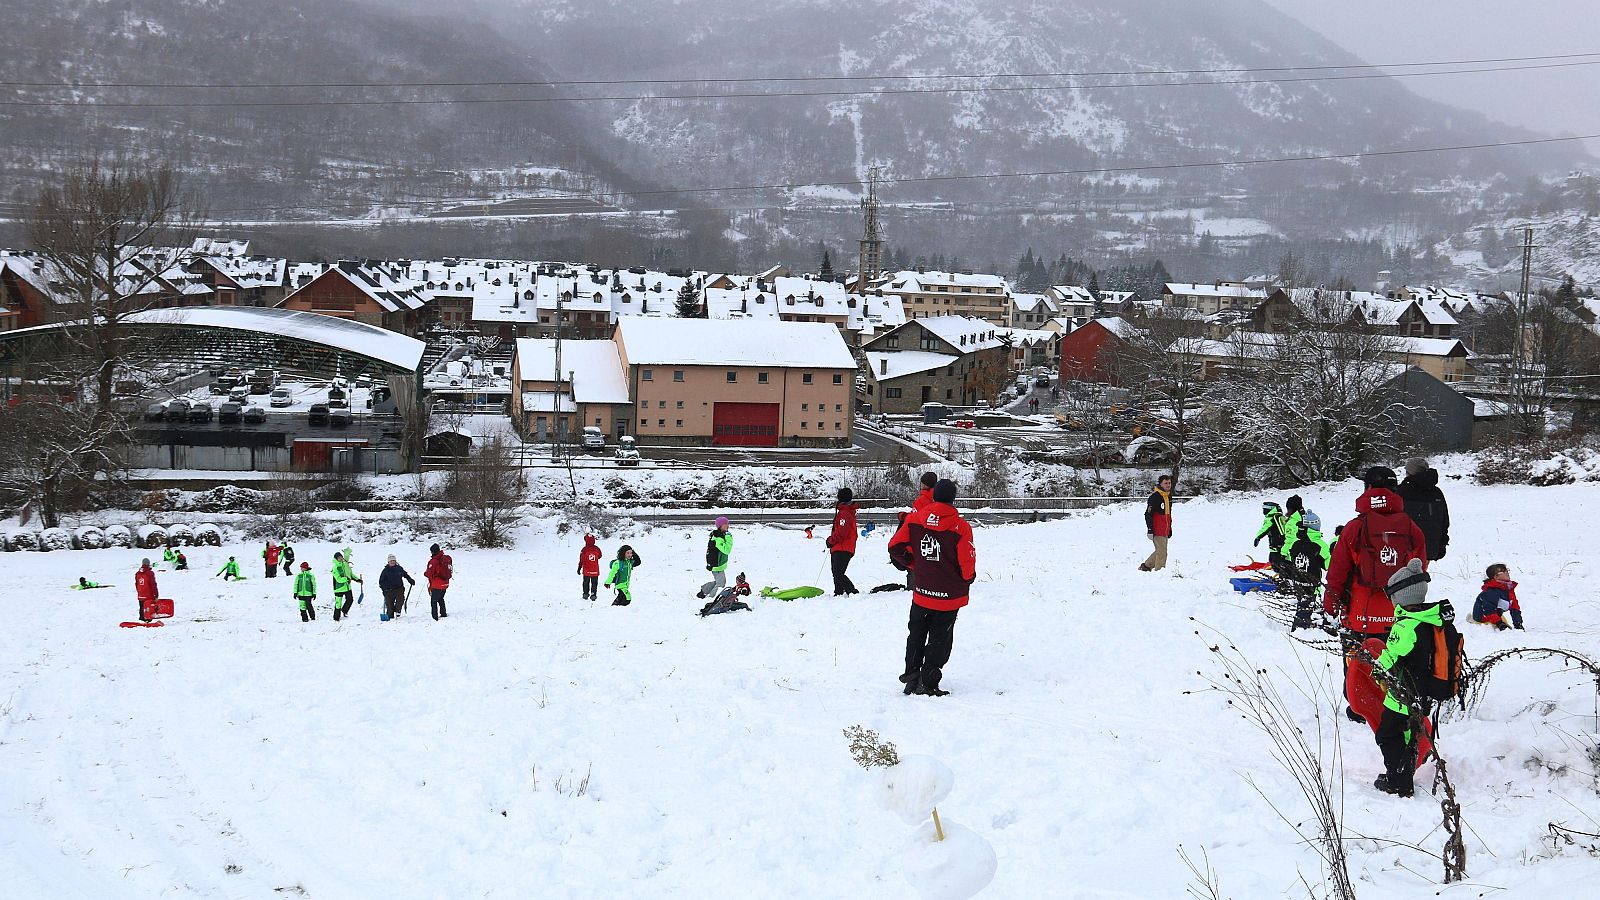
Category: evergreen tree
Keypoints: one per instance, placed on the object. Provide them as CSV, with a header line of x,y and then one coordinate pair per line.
x,y
1567,294
827,266
688,305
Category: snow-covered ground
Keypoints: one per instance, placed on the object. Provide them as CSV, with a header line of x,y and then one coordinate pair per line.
x,y
535,744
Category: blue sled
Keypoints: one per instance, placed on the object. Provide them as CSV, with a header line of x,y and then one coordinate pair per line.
x,y
1252,585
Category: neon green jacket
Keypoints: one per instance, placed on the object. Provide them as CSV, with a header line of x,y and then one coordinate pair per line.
x,y
305,584
1271,522
1294,529
621,574
231,567
168,555
1402,642
719,550
341,576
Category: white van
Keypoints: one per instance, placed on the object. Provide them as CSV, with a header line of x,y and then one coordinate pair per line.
x,y
593,437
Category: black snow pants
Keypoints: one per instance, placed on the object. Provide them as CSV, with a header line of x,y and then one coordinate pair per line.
x,y
932,632
436,602
841,582
1399,747
393,599
591,587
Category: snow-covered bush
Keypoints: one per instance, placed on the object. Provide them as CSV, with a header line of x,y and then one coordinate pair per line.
x,y
55,539
180,534
90,538
948,861
151,536
23,540
207,535
1542,464
118,536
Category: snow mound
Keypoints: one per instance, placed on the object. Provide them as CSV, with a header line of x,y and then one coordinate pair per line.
x,y
55,539
19,539
151,536
955,868
119,535
207,535
179,533
90,538
913,788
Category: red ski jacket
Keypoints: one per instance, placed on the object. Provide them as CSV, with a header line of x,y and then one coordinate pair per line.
x,y
439,571
589,558
144,584
271,554
843,537
937,543
1379,541
924,497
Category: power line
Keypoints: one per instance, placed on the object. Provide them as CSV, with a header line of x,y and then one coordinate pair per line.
x,y
737,95
782,78
1100,170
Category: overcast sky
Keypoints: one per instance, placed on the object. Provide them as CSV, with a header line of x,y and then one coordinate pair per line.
x,y
1550,100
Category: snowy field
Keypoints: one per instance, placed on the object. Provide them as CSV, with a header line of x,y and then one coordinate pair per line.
x,y
537,745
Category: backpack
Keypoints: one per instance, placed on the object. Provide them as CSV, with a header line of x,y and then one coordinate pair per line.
x,y
1383,553
1435,664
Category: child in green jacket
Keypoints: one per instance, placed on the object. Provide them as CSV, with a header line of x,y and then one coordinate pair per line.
x,y
621,575
305,591
230,570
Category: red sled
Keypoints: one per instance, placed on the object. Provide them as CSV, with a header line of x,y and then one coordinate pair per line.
x,y
1366,696
151,612
1252,566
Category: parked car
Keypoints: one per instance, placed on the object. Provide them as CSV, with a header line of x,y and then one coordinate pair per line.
x,y
627,451
200,413
339,416
318,414
255,415
178,409
239,394
593,438
155,412
229,413
281,397
963,423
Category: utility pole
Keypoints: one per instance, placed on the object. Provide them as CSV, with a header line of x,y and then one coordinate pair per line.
x,y
1522,397
555,390
871,261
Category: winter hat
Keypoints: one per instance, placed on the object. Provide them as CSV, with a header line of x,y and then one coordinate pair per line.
x,y
846,495
1408,587
434,549
305,565
392,560
1379,477
1270,507
1294,505
929,479
1416,465
1311,521
944,491
147,562
722,522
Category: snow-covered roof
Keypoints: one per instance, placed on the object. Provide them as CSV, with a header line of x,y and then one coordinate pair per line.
x,y
738,342
1120,327
1072,293
967,334
921,282
1184,289
888,365
250,271
595,368
375,343
1033,303
1027,337
213,247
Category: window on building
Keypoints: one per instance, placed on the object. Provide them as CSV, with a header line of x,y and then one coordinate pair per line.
x,y
819,425
806,378
805,407
761,378
661,423
894,342
838,426
661,404
929,342
733,377
677,374
891,393
949,394
804,424
647,374
838,378
680,423
837,407
680,404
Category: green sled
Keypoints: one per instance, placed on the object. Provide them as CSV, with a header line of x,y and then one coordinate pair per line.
x,y
795,593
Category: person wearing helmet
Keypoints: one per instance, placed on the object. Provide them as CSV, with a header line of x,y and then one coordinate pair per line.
x,y
1272,530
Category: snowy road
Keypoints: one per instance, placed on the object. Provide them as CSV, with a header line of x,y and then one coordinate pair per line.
x,y
535,744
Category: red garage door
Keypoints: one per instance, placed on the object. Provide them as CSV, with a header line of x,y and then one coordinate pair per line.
x,y
745,424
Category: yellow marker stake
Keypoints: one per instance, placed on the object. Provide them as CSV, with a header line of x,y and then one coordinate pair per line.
x,y
937,828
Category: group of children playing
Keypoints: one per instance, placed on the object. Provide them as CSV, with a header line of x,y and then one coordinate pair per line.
x,y
719,550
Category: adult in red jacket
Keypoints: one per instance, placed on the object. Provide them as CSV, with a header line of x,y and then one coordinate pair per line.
x,y
842,543
925,496
589,567
1374,545
144,586
935,543
441,568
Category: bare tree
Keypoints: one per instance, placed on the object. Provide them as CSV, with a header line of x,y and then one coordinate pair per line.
x,y
1158,365
108,232
485,489
54,456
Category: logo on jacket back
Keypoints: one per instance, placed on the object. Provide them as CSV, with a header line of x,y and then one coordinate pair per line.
x,y
1389,556
929,548
1379,502
933,521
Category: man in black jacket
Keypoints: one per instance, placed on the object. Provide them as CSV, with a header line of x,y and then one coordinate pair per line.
x,y
1426,506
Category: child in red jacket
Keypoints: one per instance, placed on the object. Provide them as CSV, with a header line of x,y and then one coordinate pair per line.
x,y
589,567
842,543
